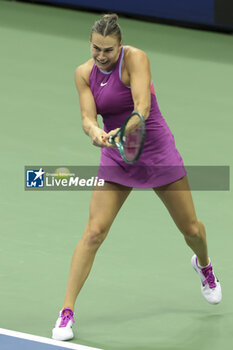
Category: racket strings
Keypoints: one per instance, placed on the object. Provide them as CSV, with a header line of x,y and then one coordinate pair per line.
x,y
132,143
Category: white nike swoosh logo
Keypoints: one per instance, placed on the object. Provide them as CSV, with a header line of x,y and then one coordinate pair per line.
x,y
102,84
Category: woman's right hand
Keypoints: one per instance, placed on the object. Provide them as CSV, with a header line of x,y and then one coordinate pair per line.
x,y
99,138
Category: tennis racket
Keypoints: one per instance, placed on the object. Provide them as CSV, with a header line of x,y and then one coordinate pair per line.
x,y
130,138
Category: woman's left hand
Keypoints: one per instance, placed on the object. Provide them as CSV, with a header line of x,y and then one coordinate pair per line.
x,y
113,133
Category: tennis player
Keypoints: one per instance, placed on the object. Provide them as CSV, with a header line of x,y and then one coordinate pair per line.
x,y
113,83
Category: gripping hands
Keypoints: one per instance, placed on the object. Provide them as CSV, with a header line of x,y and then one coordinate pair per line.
x,y
100,138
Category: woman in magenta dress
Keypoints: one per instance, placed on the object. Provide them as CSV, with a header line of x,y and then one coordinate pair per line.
x,y
113,83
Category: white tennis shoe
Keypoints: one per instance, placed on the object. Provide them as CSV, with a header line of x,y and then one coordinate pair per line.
x,y
210,285
63,328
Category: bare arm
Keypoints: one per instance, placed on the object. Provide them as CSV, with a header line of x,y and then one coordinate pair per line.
x,y
88,109
138,67
86,101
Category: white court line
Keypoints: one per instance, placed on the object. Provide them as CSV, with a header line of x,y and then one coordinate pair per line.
x,y
45,340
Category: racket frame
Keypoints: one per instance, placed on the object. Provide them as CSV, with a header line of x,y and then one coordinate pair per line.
x,y
120,133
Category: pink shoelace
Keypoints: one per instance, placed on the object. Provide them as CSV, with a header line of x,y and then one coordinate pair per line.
x,y
210,279
66,315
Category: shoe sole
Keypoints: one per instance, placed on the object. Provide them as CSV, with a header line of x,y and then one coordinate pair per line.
x,y
68,336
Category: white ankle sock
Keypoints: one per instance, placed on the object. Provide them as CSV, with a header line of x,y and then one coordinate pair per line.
x,y
202,267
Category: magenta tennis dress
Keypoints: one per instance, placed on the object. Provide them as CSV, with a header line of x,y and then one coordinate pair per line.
x,y
160,163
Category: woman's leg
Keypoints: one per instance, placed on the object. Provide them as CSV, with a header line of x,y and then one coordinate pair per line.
x,y
178,200
104,206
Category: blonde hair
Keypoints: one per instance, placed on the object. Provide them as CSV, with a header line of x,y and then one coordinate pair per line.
x,y
107,25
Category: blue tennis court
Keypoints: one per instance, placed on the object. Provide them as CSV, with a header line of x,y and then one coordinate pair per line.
x,y
11,340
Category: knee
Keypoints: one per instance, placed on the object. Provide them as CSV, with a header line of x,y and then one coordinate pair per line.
x,y
94,236
191,229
